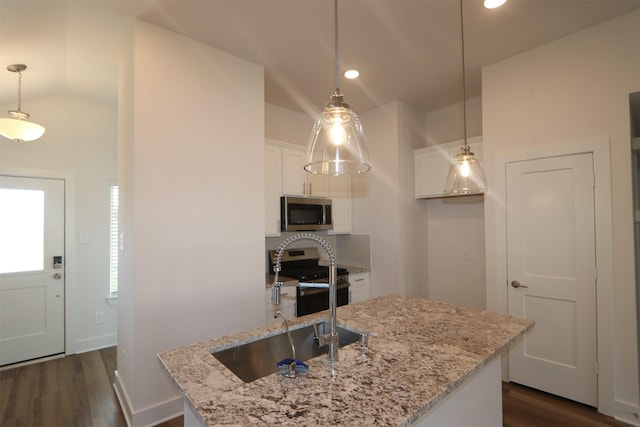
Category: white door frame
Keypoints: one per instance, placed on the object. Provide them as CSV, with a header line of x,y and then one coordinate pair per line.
x,y
496,274
71,292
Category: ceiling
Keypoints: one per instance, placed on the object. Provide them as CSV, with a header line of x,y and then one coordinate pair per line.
x,y
407,50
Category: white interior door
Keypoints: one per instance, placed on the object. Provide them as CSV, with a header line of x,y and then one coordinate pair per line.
x,y
551,257
31,279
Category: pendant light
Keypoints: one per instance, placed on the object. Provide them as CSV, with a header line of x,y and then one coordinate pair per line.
x,y
465,173
16,127
337,143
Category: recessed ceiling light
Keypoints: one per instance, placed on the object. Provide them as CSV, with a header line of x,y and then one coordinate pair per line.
x,y
352,74
492,4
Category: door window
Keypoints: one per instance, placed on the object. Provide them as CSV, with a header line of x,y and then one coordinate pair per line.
x,y
21,230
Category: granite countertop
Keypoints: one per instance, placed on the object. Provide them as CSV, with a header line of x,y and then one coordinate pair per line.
x,y
419,352
352,269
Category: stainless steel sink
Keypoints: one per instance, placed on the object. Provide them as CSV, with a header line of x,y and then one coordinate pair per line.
x,y
258,359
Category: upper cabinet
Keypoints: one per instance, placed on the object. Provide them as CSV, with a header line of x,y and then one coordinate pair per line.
x,y
432,165
318,185
297,182
294,181
285,176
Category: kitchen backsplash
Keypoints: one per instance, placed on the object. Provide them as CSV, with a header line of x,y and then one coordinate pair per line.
x,y
354,250
351,249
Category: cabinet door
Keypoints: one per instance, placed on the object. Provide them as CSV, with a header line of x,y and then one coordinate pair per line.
x,y
431,168
293,173
359,287
317,185
298,182
272,189
341,204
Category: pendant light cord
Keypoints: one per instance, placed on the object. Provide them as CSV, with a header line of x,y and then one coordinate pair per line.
x,y
464,83
335,16
19,90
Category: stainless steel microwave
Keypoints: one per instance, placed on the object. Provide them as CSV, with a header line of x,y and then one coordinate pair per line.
x,y
305,214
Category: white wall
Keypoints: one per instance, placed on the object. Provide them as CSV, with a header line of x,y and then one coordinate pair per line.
x,y
574,89
81,139
286,125
375,199
191,180
383,204
455,226
456,251
447,123
414,235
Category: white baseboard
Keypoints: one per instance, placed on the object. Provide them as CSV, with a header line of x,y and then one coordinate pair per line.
x,y
151,415
31,362
123,398
627,412
96,343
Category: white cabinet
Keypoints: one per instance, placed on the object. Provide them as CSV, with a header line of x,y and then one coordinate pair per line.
x,y
359,287
318,185
296,181
340,193
432,165
272,189
285,176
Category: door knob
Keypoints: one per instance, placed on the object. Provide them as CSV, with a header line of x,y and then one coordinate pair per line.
x,y
57,276
517,284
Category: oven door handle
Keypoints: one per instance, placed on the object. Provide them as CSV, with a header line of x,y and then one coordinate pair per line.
x,y
323,288
313,285
339,285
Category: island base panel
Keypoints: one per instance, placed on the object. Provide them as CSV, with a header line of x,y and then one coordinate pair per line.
x,y
477,403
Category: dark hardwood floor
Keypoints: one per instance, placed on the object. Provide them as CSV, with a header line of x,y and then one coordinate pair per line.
x,y
70,391
525,407
74,391
77,391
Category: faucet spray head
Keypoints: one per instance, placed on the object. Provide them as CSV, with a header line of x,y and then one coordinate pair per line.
x,y
275,295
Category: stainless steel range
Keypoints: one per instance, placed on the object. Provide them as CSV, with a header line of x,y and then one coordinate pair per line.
x,y
302,264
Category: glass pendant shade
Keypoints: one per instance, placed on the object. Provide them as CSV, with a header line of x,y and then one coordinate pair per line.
x,y
20,130
465,175
337,144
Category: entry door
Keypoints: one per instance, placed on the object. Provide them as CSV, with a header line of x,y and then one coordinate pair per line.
x,y
552,274
31,268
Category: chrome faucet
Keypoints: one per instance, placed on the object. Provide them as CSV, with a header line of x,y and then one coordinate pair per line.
x,y
286,326
292,369
330,339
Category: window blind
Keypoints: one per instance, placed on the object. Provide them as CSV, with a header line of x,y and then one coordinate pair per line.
x,y
113,239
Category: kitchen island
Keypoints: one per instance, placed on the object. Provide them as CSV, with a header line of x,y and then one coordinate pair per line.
x,y
425,361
